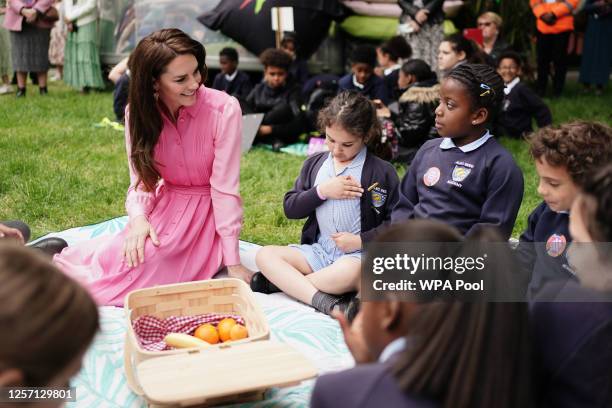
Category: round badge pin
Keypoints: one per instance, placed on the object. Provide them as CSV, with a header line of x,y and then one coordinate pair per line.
x,y
555,245
431,177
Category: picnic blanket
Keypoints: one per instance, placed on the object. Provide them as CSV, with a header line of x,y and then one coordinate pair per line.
x,y
101,382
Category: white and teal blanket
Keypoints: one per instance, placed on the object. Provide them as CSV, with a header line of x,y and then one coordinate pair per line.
x,y
101,382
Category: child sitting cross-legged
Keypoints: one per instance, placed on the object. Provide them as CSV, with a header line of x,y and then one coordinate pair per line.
x,y
345,194
466,178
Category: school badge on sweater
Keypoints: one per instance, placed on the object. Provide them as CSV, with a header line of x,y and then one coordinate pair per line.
x,y
460,173
379,196
555,245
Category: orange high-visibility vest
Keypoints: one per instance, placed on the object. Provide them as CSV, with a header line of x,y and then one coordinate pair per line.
x,y
562,9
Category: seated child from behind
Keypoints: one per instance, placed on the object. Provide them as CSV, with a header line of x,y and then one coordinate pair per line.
x,y
47,321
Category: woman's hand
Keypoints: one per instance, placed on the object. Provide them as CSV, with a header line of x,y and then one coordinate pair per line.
x,y
12,233
30,14
353,337
138,231
347,242
240,272
415,26
341,187
421,16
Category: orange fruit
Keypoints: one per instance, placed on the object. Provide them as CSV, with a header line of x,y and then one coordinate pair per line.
x,y
238,332
208,333
225,327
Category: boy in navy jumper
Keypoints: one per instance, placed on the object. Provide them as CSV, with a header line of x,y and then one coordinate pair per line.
x,y
572,338
466,178
345,194
521,104
362,78
279,98
564,156
231,79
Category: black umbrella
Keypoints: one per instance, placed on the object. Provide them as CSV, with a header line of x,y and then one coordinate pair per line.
x,y
249,22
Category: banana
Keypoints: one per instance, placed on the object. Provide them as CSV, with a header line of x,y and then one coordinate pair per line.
x,y
181,340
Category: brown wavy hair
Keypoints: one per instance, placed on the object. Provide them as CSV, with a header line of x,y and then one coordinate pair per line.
x,y
46,319
581,147
147,62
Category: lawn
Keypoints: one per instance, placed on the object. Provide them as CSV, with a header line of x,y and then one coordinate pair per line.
x,y
57,171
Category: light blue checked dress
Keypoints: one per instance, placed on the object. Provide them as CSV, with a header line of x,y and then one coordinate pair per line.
x,y
335,216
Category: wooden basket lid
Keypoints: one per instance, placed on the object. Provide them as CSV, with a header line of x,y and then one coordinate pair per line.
x,y
216,372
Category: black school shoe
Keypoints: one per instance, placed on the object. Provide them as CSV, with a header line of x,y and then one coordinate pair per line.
x,y
50,246
261,284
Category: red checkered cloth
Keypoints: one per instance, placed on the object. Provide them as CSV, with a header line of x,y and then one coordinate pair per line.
x,y
150,330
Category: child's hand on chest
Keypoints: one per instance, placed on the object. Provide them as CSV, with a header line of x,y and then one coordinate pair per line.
x,y
341,188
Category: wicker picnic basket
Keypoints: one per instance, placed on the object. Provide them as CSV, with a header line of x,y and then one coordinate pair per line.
x,y
221,373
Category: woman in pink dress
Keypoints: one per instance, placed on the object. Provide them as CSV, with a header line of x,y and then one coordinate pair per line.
x,y
184,207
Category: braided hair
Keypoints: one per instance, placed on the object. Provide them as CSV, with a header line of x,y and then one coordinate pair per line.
x,y
485,87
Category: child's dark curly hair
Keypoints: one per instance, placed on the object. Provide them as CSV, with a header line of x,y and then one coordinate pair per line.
x,y
273,57
352,112
485,86
580,147
364,54
597,204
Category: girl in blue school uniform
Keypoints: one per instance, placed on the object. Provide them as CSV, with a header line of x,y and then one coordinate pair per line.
x,y
465,178
345,195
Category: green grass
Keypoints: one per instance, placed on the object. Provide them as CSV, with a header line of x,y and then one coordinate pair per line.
x,y
57,171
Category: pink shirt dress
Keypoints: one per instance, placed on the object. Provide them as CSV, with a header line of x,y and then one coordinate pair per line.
x,y
196,208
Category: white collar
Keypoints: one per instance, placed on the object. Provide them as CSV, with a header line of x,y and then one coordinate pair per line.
x,y
357,84
447,143
510,85
392,348
230,78
389,70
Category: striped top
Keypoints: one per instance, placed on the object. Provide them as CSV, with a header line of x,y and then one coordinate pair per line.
x,y
339,215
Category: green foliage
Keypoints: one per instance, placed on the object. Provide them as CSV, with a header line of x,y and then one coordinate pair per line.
x,y
57,171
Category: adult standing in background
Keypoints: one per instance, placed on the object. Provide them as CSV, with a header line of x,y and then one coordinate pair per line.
x,y
424,32
555,22
30,32
82,55
59,32
490,24
597,54
5,53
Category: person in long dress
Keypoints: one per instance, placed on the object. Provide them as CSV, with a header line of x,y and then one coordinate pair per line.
x,y
183,202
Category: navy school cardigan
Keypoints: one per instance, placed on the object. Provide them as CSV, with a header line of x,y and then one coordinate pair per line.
x,y
376,205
